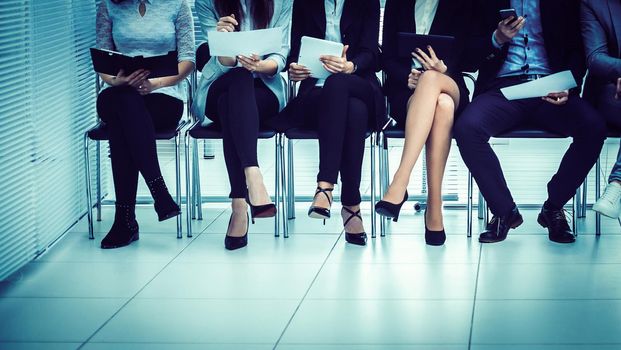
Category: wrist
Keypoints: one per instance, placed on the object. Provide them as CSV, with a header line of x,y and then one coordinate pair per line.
x,y
350,67
500,38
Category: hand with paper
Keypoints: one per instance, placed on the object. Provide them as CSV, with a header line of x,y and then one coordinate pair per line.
x,y
323,58
553,88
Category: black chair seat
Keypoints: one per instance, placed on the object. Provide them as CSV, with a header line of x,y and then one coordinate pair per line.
x,y
212,131
520,133
100,132
306,134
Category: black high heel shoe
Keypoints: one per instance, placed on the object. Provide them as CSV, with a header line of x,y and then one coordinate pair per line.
x,y
261,211
319,212
233,243
435,238
390,210
354,238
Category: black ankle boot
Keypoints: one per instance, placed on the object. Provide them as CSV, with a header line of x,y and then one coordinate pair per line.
x,y
165,206
124,229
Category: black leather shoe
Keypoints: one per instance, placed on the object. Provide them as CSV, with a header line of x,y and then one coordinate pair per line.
x,y
124,230
556,223
499,227
233,243
434,238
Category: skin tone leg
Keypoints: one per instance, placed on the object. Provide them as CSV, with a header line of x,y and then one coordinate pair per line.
x,y
354,225
321,200
420,117
438,147
239,218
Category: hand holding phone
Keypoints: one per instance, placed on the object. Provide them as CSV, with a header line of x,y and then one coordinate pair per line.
x,y
509,27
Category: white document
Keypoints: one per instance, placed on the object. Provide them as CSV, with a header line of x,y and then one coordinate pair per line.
x,y
310,51
231,44
541,87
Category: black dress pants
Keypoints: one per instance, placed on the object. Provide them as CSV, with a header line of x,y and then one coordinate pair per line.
x,y
238,102
131,120
341,112
491,114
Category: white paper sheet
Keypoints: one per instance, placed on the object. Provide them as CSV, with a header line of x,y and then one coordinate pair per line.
x,y
310,51
260,42
541,87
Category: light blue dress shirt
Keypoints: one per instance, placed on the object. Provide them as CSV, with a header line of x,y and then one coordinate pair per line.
x,y
167,25
527,53
208,18
334,12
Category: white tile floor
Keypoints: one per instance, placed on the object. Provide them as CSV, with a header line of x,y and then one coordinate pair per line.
x,y
314,291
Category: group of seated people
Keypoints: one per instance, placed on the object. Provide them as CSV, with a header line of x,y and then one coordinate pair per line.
x,y
426,94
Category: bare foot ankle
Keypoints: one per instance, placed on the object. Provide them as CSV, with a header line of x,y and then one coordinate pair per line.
x,y
355,224
238,226
257,193
394,194
323,199
434,221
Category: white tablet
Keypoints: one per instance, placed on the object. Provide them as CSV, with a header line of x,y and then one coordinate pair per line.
x,y
310,51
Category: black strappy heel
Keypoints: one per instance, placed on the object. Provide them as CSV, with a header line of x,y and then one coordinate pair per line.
x,y
390,210
354,238
319,212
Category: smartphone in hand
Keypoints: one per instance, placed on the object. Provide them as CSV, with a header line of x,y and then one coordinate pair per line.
x,y
506,13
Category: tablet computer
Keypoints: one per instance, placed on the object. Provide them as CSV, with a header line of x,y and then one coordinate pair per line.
x,y
111,62
310,51
443,46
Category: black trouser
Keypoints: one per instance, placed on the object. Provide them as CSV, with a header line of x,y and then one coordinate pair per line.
x,y
238,102
132,120
340,112
491,114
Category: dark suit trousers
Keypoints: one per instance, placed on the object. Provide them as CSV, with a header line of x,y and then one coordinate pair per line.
x,y
132,120
238,102
491,114
341,112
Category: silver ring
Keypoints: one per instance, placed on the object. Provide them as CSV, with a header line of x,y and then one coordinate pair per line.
x,y
140,86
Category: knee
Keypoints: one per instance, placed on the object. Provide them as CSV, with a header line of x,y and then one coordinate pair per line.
x,y
468,129
357,112
240,77
593,127
445,109
114,99
338,81
431,77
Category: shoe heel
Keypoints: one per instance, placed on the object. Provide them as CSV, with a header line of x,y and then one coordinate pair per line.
x,y
324,222
395,219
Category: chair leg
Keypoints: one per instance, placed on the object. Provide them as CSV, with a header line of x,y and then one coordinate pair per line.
x,y
89,199
598,189
585,192
192,206
277,185
373,184
575,208
284,184
197,181
188,192
290,180
178,184
469,206
384,174
481,207
98,157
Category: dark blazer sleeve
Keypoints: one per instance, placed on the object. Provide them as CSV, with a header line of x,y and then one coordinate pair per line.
x,y
366,57
297,23
478,47
599,62
391,63
574,47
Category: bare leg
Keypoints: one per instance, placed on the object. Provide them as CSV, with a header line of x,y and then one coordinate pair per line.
x,y
420,118
256,187
438,147
239,218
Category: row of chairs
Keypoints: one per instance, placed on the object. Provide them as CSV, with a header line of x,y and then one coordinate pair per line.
x,y
284,169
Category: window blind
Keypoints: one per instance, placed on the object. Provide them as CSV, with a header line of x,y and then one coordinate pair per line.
x,y
47,102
